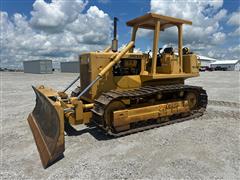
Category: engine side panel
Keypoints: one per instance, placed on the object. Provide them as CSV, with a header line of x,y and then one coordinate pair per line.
x,y
125,77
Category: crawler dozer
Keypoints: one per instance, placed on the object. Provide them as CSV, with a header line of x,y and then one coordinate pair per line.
x,y
121,92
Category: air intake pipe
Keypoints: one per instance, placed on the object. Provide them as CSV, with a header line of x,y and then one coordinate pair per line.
x,y
115,41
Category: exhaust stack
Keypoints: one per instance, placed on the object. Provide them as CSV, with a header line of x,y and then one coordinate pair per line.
x,y
115,41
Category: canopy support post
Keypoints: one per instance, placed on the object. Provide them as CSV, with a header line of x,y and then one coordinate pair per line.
x,y
155,46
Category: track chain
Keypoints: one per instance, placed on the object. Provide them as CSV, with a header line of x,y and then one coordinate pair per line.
x,y
143,92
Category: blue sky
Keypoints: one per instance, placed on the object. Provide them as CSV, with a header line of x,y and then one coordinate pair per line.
x,y
47,29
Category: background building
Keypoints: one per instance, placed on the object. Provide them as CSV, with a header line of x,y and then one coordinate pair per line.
x,y
38,66
70,67
228,65
206,61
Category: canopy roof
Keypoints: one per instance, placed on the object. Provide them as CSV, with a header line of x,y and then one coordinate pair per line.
x,y
147,21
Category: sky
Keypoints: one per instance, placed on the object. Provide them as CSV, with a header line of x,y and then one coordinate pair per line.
x,y
62,29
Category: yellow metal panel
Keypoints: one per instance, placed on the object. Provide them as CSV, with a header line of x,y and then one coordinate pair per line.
x,y
169,64
124,117
86,117
48,92
190,63
127,82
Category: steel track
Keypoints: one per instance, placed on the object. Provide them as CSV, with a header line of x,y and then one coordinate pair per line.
x,y
144,92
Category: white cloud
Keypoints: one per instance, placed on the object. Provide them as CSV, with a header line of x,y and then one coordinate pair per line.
x,y
144,32
220,15
38,38
235,49
218,37
234,19
55,15
232,52
94,27
205,33
235,32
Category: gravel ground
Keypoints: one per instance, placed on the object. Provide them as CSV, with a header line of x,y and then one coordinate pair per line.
x,y
203,148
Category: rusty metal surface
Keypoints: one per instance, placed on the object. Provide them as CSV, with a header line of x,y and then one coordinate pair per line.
x,y
45,125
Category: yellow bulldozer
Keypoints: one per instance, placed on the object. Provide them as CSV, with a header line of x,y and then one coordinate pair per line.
x,y
121,92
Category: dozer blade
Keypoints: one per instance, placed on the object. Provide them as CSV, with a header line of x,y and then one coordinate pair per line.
x,y
47,125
